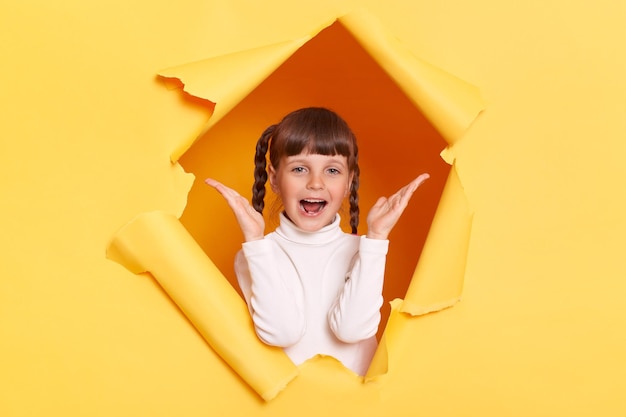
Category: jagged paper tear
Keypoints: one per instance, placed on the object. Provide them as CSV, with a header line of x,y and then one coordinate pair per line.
x,y
158,243
450,103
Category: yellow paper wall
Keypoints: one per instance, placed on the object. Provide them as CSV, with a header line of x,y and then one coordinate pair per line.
x,y
87,135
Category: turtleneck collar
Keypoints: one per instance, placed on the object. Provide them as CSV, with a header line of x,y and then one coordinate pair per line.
x,y
288,230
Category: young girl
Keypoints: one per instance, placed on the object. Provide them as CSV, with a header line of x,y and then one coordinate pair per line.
x,y
311,288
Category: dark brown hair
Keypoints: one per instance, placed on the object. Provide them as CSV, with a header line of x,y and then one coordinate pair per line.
x,y
315,130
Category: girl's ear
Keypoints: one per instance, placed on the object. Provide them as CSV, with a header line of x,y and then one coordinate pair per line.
x,y
272,177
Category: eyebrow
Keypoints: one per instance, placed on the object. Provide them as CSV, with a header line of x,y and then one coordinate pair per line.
x,y
333,159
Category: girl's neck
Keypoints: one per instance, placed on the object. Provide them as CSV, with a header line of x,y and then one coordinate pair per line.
x,y
288,230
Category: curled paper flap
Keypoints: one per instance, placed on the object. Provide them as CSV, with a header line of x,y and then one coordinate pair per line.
x,y
380,361
226,80
158,243
398,340
450,103
437,282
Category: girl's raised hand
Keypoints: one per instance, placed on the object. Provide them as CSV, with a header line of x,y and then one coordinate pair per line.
x,y
250,221
387,211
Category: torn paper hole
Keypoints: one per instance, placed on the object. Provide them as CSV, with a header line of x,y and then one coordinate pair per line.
x,y
404,112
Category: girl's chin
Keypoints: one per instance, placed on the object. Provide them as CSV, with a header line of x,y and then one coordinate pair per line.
x,y
310,222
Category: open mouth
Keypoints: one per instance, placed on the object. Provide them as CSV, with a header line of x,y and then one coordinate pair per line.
x,y
312,206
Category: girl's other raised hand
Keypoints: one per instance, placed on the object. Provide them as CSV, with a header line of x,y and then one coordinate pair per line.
x,y
250,221
384,215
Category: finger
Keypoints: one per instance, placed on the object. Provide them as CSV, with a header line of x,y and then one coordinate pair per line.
x,y
407,191
400,200
216,184
221,188
382,201
402,196
213,183
227,192
414,185
420,179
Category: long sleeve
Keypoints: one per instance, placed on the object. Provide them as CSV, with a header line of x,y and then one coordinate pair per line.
x,y
275,301
355,315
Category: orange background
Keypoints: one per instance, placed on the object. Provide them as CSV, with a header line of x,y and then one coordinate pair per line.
x,y
396,143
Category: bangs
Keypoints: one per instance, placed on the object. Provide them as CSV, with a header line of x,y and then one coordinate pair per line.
x,y
321,141
315,131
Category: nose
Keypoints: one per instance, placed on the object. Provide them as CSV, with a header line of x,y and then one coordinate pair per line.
x,y
316,182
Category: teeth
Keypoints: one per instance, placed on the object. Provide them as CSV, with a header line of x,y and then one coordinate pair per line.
x,y
312,205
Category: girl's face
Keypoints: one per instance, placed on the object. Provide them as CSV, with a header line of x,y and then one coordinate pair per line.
x,y
312,188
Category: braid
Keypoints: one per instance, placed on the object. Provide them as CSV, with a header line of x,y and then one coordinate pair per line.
x,y
354,201
354,192
260,172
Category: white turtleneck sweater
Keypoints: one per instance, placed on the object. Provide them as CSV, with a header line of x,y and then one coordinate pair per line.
x,y
315,292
